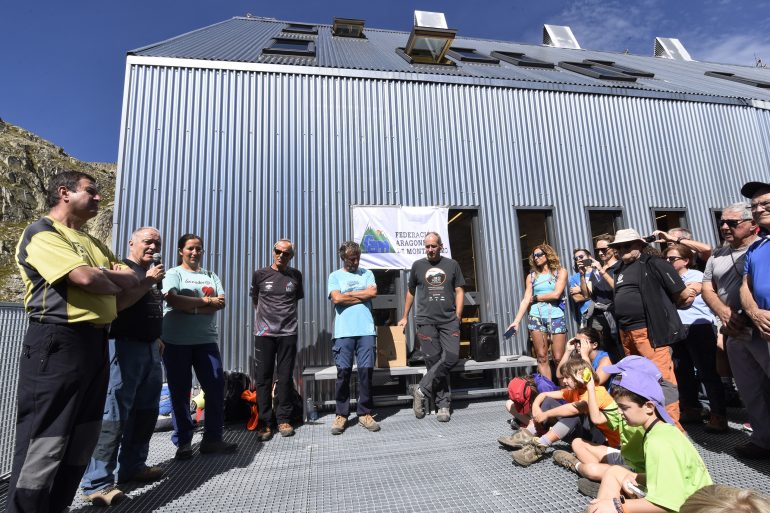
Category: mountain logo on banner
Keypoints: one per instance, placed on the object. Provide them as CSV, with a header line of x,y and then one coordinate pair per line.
x,y
374,241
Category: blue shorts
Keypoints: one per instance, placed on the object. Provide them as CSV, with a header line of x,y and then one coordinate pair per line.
x,y
545,325
361,347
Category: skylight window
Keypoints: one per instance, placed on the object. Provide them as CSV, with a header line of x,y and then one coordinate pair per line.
x,y
597,71
622,69
297,47
300,28
429,40
520,59
348,27
736,78
471,55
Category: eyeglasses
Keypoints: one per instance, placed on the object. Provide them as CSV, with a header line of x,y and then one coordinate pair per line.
x,y
764,205
732,223
538,254
284,253
673,259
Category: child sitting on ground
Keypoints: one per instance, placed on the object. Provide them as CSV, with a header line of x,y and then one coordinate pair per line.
x,y
674,470
566,421
587,345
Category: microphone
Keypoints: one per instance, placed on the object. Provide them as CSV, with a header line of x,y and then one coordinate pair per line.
x,y
156,261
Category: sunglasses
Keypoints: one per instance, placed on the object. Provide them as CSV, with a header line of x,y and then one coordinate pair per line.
x,y
284,253
601,250
578,257
732,223
538,254
673,259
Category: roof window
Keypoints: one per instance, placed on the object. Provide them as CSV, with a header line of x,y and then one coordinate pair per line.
x,y
471,55
429,40
520,59
300,28
736,78
622,69
348,27
296,47
597,71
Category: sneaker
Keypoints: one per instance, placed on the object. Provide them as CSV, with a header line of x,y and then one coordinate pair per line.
x,y
566,459
517,440
747,427
265,433
368,422
218,446
285,429
717,424
443,415
105,497
529,454
184,452
146,475
339,424
752,451
690,416
418,402
588,488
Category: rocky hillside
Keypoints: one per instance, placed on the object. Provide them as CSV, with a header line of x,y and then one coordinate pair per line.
x,y
26,164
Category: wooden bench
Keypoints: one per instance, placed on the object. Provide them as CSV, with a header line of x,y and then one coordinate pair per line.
x,y
504,362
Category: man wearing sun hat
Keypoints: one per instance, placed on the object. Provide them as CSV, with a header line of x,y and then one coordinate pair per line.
x,y
646,291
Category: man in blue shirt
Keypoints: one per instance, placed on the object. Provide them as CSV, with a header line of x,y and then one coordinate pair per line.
x,y
351,289
755,299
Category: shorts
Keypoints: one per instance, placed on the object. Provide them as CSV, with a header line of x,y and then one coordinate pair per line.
x,y
614,457
542,324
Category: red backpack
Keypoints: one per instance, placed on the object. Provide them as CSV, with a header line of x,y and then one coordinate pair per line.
x,y
522,391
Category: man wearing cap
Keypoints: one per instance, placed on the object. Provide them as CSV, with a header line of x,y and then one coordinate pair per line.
x,y
646,291
755,299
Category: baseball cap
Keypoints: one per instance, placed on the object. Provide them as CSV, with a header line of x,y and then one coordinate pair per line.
x,y
750,189
647,386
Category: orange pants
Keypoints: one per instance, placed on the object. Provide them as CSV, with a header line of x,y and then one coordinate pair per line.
x,y
636,342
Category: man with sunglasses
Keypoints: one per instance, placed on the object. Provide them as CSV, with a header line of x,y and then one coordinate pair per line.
x,y
755,300
722,281
275,291
647,290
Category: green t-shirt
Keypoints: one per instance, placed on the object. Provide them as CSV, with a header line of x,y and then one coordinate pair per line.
x,y
675,470
183,328
631,442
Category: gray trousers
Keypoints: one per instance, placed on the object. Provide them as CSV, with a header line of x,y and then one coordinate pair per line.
x,y
750,363
441,345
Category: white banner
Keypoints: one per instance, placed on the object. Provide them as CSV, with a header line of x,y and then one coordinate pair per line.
x,y
392,237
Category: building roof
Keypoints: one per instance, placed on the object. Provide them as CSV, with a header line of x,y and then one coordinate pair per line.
x,y
242,39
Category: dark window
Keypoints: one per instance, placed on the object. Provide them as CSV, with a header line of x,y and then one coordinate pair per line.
x,y
348,27
717,213
735,78
471,55
519,59
604,221
385,304
667,219
301,47
597,71
300,28
534,229
620,68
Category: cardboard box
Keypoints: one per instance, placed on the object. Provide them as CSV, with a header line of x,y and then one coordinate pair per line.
x,y
391,347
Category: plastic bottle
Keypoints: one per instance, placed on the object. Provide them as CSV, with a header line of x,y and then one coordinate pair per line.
x,y
312,412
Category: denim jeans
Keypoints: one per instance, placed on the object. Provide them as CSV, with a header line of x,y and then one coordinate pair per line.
x,y
363,349
130,413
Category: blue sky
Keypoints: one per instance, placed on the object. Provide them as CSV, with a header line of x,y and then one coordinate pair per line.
x,y
62,63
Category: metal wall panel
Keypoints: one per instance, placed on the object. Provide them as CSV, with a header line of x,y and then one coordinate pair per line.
x,y
244,158
13,319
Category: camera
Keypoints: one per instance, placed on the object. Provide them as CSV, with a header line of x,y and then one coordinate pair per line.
x,y
649,238
587,262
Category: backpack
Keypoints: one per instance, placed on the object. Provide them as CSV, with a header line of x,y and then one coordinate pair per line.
x,y
522,391
544,384
236,409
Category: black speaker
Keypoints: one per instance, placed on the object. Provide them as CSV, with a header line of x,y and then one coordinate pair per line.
x,y
485,342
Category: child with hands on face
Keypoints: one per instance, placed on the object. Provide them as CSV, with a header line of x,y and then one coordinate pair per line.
x,y
586,345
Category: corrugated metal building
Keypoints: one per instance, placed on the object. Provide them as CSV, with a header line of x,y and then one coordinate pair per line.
x,y
244,147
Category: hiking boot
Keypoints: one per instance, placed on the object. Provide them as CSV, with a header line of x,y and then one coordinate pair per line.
x,y
368,422
443,415
717,424
219,446
516,440
265,433
690,416
146,475
285,429
339,424
566,459
530,453
588,488
184,452
752,451
105,497
418,402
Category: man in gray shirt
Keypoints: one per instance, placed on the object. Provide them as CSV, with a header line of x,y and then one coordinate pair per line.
x,y
749,360
438,284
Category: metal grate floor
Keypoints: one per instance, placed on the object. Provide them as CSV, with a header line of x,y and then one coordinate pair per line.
x,y
410,466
